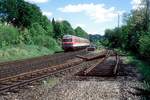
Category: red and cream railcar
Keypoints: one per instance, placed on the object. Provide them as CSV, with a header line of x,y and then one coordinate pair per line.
x,y
71,42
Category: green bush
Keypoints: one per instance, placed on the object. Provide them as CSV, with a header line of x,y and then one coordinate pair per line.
x,y
46,41
9,35
142,66
144,43
80,32
22,52
25,37
37,29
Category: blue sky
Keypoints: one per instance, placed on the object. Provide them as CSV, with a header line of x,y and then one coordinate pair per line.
x,y
94,16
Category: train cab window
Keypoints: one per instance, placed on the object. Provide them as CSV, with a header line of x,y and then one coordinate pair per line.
x,y
67,40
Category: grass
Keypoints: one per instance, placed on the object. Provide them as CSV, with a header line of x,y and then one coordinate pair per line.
x,y
23,52
51,81
143,67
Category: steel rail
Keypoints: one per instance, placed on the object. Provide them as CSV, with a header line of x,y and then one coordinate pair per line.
x,y
99,62
38,71
116,65
41,74
15,68
104,69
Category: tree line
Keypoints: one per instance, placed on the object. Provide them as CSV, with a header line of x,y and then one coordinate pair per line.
x,y
23,23
134,34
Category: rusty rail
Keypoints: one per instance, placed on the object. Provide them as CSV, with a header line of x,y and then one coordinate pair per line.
x,y
14,68
25,78
90,58
116,65
101,55
101,60
101,68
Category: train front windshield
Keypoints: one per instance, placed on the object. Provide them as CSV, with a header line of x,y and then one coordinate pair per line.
x,y
67,40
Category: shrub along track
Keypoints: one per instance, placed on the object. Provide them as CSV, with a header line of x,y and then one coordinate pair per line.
x,y
25,74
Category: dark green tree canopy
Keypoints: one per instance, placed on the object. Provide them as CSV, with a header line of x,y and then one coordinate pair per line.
x,y
61,28
19,12
67,28
81,33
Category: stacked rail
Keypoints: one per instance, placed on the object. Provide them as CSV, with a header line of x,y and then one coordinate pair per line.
x,y
107,65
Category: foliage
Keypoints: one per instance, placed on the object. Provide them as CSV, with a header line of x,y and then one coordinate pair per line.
x,y
134,34
61,28
37,29
142,66
116,37
67,28
46,25
80,32
22,52
9,35
46,42
97,39
22,23
58,30
23,14
144,43
19,12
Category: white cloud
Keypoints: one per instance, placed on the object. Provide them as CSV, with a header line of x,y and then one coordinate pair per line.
x,y
37,1
136,4
97,12
46,13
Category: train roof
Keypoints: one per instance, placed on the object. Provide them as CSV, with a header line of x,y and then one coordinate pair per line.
x,y
67,36
70,36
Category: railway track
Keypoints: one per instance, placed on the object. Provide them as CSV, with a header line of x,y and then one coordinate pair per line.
x,y
10,83
29,76
37,71
8,69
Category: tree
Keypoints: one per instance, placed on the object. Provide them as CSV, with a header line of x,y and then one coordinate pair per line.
x,y
8,10
146,4
58,29
144,43
19,13
54,29
67,28
61,28
9,35
47,26
81,33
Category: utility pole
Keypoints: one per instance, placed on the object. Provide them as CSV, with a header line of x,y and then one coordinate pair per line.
x,y
147,15
118,21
